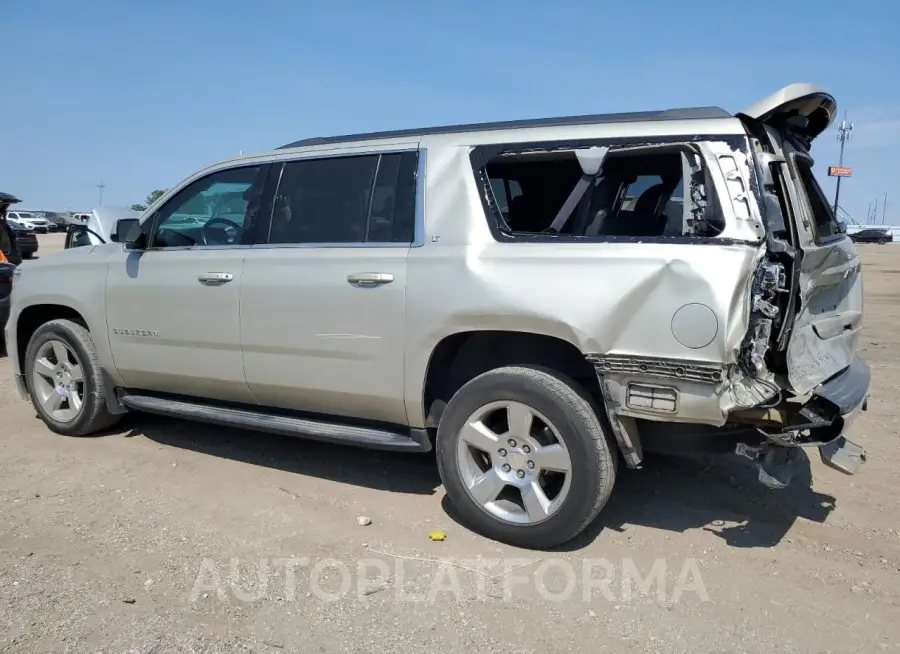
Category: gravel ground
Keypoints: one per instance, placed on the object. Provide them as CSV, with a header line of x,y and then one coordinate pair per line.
x,y
167,536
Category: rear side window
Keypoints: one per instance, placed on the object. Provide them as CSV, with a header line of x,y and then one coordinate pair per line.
x,y
359,199
824,221
639,193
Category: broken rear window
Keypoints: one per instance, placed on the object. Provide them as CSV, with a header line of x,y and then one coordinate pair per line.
x,y
638,191
826,224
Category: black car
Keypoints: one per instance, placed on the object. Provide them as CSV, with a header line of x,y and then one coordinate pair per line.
x,y
26,241
881,236
57,222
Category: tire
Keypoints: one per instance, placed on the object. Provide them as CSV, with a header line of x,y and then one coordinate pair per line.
x,y
591,450
92,415
27,255
882,241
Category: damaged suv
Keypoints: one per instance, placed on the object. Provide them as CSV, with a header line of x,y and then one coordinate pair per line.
x,y
536,300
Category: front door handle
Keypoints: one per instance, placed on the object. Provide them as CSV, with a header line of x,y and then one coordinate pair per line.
x,y
215,278
366,280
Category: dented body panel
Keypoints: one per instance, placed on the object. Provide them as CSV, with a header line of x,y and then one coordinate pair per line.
x,y
626,302
827,328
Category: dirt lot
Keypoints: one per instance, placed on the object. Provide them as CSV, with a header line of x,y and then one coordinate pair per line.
x,y
127,542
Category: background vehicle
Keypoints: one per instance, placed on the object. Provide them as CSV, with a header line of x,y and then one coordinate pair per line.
x,y
880,236
55,222
641,291
104,225
31,220
24,227
26,239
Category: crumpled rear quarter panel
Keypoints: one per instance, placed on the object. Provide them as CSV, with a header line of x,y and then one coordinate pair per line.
x,y
604,298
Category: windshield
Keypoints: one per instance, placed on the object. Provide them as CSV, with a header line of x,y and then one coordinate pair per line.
x,y
24,215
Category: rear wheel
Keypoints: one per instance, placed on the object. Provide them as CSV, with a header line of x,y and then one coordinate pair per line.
x,y
882,241
27,255
65,380
524,458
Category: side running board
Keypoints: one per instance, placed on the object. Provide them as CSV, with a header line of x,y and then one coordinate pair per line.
x,y
379,438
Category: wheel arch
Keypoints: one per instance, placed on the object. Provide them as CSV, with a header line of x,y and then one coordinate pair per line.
x,y
460,356
29,320
32,317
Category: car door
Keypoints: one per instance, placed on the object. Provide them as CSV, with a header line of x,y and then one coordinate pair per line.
x,y
173,305
322,300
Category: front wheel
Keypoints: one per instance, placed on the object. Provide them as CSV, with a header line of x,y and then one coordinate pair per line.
x,y
64,379
524,458
882,241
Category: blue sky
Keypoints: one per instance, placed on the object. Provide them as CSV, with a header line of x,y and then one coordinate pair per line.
x,y
140,94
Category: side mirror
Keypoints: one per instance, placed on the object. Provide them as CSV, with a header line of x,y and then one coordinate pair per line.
x,y
138,235
123,229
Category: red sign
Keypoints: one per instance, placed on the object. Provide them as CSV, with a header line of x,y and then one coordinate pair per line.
x,y
839,171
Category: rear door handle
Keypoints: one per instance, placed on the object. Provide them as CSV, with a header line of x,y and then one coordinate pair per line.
x,y
215,278
365,280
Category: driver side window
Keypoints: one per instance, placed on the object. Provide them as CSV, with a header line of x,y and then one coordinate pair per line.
x,y
219,209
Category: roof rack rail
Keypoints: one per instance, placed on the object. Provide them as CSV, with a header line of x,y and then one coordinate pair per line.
x,y
690,113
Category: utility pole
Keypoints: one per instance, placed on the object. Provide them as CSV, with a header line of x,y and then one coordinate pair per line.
x,y
884,209
845,131
102,186
869,214
875,213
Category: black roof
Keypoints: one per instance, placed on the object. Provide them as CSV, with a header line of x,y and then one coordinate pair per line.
x,y
696,113
6,197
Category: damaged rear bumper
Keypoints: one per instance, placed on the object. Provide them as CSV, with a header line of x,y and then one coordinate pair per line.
x,y
829,411
849,392
821,420
828,414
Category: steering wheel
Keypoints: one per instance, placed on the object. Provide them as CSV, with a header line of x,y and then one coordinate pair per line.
x,y
229,226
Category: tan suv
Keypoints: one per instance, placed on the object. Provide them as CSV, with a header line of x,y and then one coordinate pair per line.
x,y
536,300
